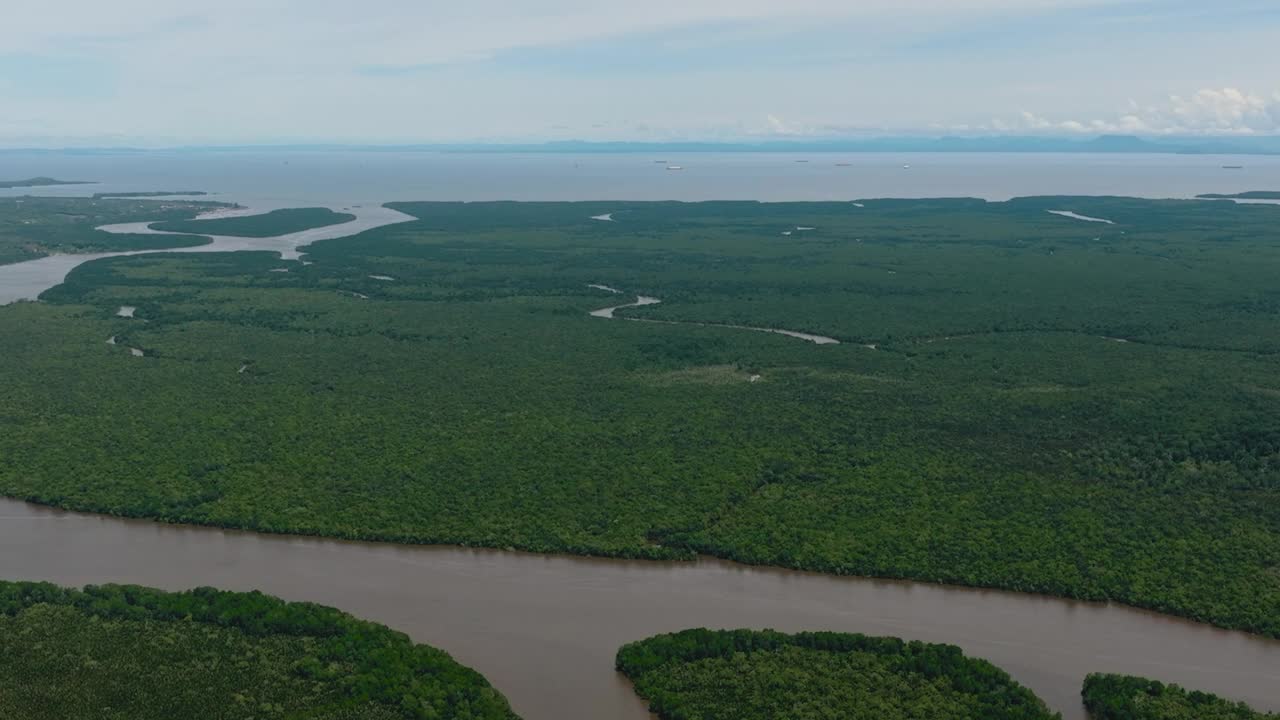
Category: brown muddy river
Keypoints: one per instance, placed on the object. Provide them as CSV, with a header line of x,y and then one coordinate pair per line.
x,y
544,629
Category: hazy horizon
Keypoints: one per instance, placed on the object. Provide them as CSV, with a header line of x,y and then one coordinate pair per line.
x,y
969,143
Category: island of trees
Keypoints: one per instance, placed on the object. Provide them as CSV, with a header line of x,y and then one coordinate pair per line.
x,y
33,227
150,194
133,653
39,182
1118,697
276,222
1250,195
745,675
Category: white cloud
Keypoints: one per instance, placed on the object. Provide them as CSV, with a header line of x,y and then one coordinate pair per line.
x,y
775,125
416,70
1226,111
335,33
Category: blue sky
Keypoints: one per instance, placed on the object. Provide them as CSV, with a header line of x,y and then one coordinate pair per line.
x,y
153,72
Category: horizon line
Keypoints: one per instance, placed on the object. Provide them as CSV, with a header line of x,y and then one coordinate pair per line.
x,y
1103,143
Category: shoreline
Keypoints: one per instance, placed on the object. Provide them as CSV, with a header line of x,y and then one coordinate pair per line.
x,y
506,612
678,559
28,279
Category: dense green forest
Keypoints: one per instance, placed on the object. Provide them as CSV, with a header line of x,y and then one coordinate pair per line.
x,y
1051,405
745,675
132,653
149,194
1118,697
276,222
32,227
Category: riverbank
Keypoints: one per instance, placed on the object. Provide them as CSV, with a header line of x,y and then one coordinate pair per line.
x,y
27,280
544,629
642,301
32,227
144,654
474,400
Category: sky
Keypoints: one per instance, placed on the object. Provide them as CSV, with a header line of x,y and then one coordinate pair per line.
x,y
159,72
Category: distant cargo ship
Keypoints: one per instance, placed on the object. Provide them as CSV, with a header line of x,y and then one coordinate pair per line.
x,y
674,167
1232,167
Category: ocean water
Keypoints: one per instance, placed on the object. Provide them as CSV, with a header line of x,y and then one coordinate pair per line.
x,y
272,179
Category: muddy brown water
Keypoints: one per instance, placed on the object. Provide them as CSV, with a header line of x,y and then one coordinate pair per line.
x,y
544,629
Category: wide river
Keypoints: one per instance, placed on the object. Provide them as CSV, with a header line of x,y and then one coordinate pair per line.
x,y
544,629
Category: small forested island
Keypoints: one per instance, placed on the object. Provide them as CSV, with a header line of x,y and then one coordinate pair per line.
x,y
151,194
1251,195
746,675
276,222
33,227
40,182
1118,697
132,653
1018,399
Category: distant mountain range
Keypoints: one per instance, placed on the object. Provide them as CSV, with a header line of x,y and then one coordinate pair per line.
x,y
1257,145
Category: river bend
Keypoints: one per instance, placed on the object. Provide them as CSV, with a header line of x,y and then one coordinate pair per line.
x,y
643,300
26,280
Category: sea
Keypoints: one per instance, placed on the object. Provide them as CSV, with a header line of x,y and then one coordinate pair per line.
x,y
274,178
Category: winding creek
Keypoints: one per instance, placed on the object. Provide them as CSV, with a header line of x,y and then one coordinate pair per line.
x,y
1078,216
544,629
643,300
26,280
